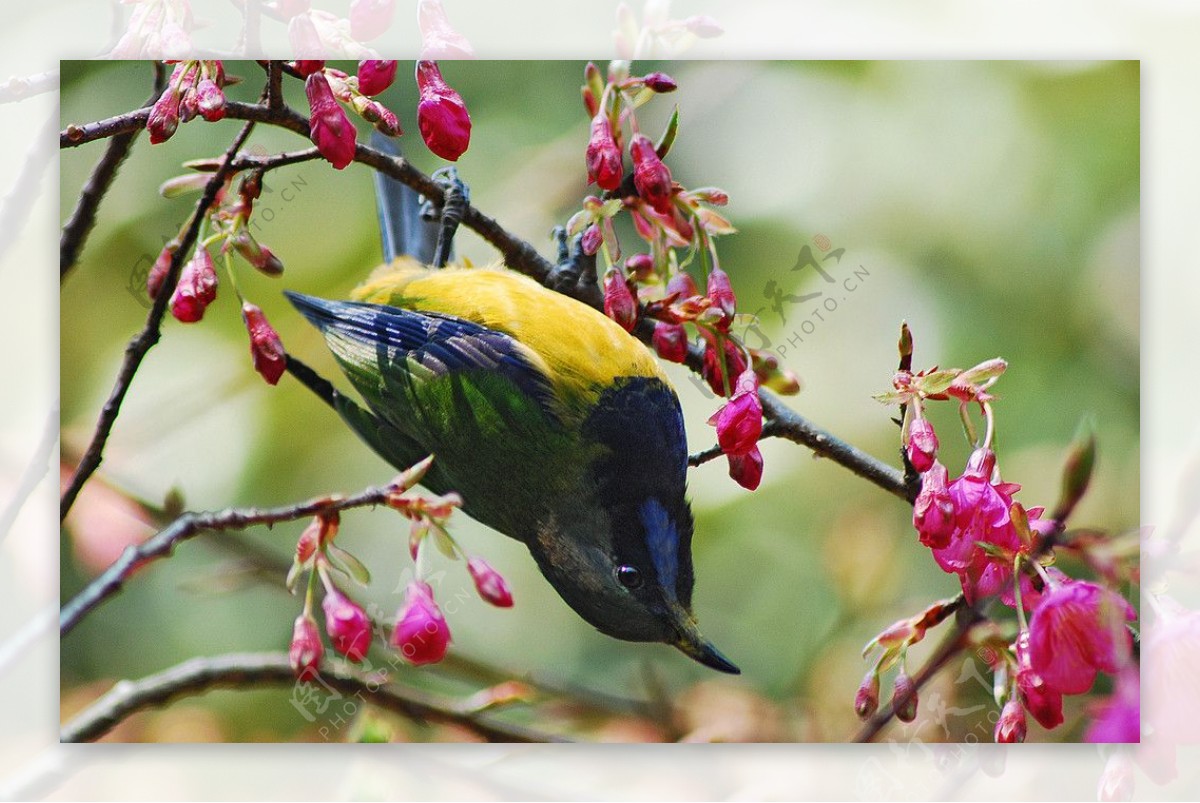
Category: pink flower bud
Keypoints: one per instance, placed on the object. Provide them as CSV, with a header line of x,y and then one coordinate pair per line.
x,y
421,633
160,268
347,624
439,40
441,114
370,18
210,100
922,444
651,177
270,360
489,583
619,303
592,239
307,68
306,650
735,364
375,76
164,116
197,288
866,700
1010,728
321,530
329,127
639,267
721,292
258,255
1044,703
660,82
604,160
904,697
671,341
739,422
746,469
682,285
933,510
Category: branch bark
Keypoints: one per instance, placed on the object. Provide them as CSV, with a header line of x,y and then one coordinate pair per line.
x,y
243,670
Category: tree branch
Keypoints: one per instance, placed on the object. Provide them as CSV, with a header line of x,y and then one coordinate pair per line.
x,y
242,670
74,134
75,233
188,525
145,340
953,644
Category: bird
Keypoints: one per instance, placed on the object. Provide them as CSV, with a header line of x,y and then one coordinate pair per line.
x,y
555,426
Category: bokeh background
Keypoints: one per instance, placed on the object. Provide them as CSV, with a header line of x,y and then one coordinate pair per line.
x,y
994,205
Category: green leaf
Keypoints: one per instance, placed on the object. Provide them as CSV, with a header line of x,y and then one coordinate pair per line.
x,y
668,138
445,543
936,382
349,564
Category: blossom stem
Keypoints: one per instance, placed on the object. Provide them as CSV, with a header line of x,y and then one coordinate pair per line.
x,y
1022,623
968,426
991,425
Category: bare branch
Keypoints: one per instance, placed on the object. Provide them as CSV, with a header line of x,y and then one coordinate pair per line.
x,y
76,230
75,134
249,670
145,340
163,543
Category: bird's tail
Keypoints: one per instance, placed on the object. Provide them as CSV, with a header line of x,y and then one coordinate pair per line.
x,y
404,232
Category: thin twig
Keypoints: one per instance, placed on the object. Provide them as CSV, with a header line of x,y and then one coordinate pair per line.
x,y
700,458
954,643
244,670
74,134
163,543
137,348
76,230
274,81
20,87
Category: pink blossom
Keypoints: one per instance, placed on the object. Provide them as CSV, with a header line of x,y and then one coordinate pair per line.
x,y
329,127
1011,728
164,116
746,469
370,18
307,68
660,82
347,624
933,510
439,40
712,369
603,157
1040,700
441,114
739,422
270,359
197,288
1118,719
160,268
651,177
489,583
619,303
866,699
375,76
1078,629
904,697
210,100
922,444
1171,656
421,633
671,341
720,290
306,650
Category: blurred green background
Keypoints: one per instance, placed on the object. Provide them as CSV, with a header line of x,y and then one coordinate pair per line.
x,y
992,205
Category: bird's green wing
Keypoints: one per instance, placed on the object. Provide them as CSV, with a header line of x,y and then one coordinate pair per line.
x,y
467,394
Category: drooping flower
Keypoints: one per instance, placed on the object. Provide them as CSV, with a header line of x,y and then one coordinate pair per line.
x,y
421,633
660,82
347,624
619,303
441,114
197,288
489,583
904,697
604,159
374,76
670,341
651,177
712,370
739,421
1043,702
329,127
164,116
158,271
308,67
746,469
306,650
439,40
1011,728
933,510
370,18
866,699
1077,630
270,359
922,444
1118,719
720,290
210,100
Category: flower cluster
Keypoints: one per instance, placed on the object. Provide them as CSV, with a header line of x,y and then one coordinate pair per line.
x,y
193,90
420,632
677,226
1068,629
226,229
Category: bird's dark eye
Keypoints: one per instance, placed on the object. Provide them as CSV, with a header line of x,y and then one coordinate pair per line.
x,y
629,577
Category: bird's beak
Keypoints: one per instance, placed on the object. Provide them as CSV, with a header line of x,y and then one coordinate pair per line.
x,y
693,644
